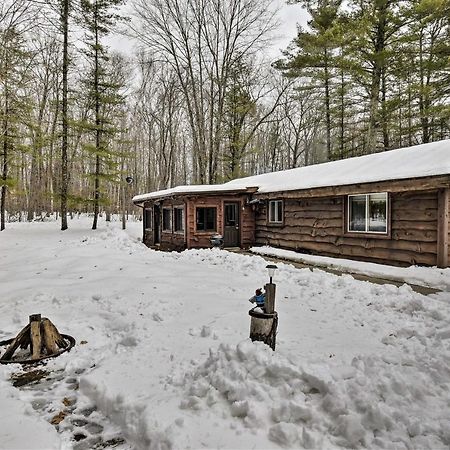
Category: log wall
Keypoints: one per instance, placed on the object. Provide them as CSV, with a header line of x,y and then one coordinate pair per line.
x,y
200,239
317,226
191,238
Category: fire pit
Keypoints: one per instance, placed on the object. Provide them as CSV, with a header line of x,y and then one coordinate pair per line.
x,y
41,337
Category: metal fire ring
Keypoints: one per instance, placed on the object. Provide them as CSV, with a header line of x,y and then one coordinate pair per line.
x,y
71,342
261,315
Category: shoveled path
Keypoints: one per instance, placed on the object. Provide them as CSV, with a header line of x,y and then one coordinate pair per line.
x,y
424,290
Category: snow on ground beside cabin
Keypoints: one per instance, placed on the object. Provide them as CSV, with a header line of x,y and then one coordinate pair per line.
x,y
422,276
167,361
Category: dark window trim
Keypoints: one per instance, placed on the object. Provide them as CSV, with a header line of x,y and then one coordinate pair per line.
x,y
368,234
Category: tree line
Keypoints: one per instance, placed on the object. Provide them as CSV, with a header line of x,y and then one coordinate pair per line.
x,y
197,100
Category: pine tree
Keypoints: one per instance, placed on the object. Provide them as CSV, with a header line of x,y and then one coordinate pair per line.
x,y
98,18
374,26
64,18
14,60
314,57
238,106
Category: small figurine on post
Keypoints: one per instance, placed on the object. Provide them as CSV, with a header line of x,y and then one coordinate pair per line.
x,y
259,298
264,318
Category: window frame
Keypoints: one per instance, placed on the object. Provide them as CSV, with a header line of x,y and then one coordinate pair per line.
x,y
382,234
197,230
170,228
281,219
148,212
182,209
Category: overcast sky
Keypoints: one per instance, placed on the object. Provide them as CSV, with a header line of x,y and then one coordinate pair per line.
x,y
289,17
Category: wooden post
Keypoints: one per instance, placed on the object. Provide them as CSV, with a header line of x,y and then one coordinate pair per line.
x,y
442,228
36,341
269,303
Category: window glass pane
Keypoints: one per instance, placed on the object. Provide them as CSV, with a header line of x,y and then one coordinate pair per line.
x,y
357,213
230,215
378,213
279,211
206,219
167,225
210,219
148,219
275,211
200,219
179,219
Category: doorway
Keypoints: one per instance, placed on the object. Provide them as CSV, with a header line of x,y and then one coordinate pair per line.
x,y
231,231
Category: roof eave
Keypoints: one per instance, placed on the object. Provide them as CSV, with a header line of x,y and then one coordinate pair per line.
x,y
140,202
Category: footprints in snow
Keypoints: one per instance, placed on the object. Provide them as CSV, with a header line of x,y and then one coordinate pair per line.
x,y
55,397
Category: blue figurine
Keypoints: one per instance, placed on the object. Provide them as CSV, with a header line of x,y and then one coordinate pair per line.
x,y
259,298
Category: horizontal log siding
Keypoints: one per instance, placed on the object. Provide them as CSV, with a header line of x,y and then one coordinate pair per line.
x,y
148,238
449,234
316,225
172,241
197,239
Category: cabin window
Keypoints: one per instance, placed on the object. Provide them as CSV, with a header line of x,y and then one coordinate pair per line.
x,y
367,213
206,219
167,219
276,211
178,219
148,218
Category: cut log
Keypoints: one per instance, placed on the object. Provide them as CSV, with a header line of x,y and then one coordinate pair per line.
x,y
36,340
263,327
20,339
52,340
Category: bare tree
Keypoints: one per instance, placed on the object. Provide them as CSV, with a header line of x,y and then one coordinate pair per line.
x,y
201,41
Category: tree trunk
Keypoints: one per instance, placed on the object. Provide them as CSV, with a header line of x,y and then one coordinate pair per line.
x,y
97,123
5,159
64,145
327,105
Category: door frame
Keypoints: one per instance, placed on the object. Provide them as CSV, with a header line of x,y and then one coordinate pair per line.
x,y
237,204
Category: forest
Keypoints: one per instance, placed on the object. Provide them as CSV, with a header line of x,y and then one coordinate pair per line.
x,y
197,99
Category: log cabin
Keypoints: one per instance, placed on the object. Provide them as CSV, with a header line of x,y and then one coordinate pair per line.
x,y
390,207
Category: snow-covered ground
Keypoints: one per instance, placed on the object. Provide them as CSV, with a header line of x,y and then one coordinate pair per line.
x,y
167,363
423,276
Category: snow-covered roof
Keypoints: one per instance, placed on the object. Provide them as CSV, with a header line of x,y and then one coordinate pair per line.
x,y
185,190
409,162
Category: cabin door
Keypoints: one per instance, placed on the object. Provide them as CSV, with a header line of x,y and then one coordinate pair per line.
x,y
231,232
156,224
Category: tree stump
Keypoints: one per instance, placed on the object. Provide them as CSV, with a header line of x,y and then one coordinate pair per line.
x,y
263,327
36,340
41,336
